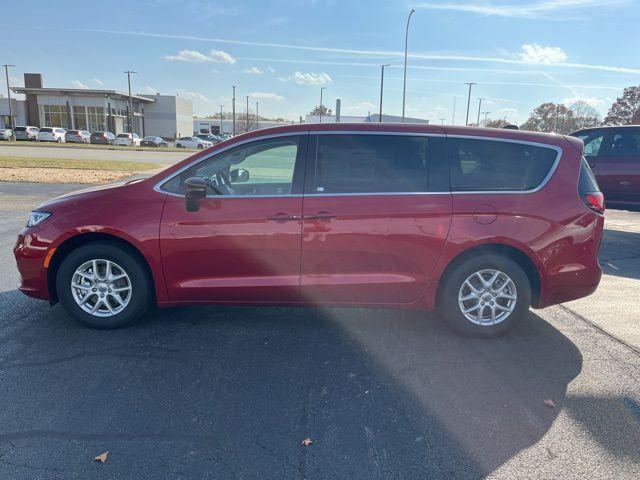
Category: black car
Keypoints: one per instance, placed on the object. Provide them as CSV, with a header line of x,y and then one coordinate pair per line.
x,y
152,141
104,138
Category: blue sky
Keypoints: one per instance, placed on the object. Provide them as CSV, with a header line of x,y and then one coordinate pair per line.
x,y
280,52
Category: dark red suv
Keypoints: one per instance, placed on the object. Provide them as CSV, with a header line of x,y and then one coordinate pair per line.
x,y
614,156
480,223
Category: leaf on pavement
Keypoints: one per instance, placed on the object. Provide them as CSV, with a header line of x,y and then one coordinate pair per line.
x,y
102,457
549,403
306,442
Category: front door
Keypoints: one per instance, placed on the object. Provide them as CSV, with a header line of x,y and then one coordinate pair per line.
x,y
243,244
376,216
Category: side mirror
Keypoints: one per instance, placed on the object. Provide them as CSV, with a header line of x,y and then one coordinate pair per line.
x,y
239,175
195,189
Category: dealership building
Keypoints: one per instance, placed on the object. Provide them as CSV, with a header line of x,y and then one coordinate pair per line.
x,y
166,116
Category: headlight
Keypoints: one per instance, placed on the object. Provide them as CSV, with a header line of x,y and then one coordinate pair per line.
x,y
36,218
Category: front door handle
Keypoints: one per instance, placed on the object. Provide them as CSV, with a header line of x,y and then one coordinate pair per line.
x,y
320,216
282,217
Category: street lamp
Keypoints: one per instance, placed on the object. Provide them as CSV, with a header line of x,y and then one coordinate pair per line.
x,y
257,118
221,119
247,112
406,42
471,84
479,110
485,117
129,72
441,121
11,121
322,89
233,109
382,88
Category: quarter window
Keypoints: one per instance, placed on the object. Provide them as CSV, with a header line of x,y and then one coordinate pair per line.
x,y
489,165
371,164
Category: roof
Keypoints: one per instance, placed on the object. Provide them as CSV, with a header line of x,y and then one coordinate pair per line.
x,y
79,92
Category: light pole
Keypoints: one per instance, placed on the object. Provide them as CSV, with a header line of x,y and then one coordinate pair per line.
x,y
441,121
471,84
129,72
382,87
220,119
233,110
485,117
322,89
257,118
404,82
247,112
11,121
479,110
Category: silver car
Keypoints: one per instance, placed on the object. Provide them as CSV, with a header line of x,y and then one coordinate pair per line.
x,y
26,133
77,136
5,134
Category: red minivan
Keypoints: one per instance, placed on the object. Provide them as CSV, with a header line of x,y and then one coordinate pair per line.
x,y
478,223
613,154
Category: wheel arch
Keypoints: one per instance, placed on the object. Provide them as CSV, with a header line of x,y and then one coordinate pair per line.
x,y
73,242
509,251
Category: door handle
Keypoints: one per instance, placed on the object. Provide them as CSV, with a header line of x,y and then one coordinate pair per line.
x,y
320,216
282,217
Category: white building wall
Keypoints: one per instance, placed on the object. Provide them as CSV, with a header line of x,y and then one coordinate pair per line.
x,y
200,125
19,112
168,117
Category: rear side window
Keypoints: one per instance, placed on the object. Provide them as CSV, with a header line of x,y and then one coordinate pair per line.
x,y
372,164
490,165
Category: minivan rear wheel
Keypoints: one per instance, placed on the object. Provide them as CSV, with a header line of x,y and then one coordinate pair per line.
x,y
103,286
485,296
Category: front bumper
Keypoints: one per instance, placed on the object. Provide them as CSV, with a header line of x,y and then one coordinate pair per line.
x,y
31,251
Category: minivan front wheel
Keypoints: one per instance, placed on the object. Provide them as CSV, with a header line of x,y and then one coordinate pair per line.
x,y
103,286
486,296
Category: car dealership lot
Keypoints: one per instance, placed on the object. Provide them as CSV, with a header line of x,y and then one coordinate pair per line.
x,y
232,392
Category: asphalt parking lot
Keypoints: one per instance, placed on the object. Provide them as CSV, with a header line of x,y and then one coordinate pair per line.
x,y
232,392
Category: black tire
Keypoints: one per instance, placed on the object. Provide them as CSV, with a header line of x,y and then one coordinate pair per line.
x,y
200,146
450,309
141,291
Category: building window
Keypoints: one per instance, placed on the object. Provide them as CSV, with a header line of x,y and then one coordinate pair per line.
x,y
54,116
97,119
80,118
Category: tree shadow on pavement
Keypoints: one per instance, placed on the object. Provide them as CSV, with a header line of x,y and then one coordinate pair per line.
x,y
222,392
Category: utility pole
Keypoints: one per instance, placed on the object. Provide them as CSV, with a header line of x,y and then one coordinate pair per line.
x,y
471,84
485,117
129,72
479,109
220,119
322,89
11,120
382,88
247,113
404,81
257,118
233,110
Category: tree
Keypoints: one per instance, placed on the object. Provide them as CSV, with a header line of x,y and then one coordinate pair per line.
x,y
551,117
585,115
499,123
626,109
320,110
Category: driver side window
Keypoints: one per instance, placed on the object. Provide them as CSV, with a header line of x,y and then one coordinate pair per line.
x,y
263,167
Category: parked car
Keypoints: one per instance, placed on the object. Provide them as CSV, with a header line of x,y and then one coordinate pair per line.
x,y
127,139
479,224
214,139
193,142
52,134
77,136
103,138
26,133
613,154
152,141
5,134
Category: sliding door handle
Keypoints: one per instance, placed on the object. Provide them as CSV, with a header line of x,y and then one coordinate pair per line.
x,y
282,217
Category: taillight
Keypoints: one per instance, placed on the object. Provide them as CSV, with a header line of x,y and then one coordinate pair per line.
x,y
595,201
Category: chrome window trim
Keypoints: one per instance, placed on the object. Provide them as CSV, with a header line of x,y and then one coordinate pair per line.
x,y
559,152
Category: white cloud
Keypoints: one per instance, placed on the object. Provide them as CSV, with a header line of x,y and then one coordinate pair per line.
x,y
534,53
253,71
271,69
266,96
79,84
508,111
550,9
98,81
192,95
221,57
191,56
591,101
149,90
362,107
311,78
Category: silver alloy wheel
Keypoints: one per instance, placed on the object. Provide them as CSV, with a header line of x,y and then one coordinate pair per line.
x,y
487,297
101,287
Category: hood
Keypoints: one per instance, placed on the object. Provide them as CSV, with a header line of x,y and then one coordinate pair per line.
x,y
90,192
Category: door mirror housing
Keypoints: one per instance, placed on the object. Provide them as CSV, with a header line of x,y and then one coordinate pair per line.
x,y
239,175
195,189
